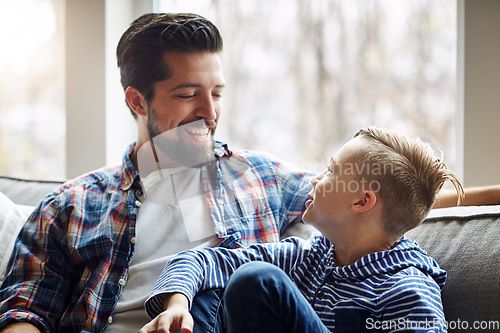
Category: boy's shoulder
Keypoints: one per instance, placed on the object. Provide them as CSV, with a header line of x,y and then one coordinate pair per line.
x,y
407,265
316,239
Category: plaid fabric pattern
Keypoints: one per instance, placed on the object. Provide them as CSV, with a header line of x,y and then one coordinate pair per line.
x,y
70,262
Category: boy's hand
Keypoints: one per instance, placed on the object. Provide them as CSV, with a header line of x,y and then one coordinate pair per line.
x,y
175,318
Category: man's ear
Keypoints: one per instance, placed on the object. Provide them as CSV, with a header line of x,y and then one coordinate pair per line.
x,y
365,203
136,101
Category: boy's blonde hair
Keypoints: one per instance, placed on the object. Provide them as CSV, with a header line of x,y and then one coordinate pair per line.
x,y
411,180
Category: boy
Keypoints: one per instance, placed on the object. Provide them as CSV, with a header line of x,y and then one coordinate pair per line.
x,y
361,274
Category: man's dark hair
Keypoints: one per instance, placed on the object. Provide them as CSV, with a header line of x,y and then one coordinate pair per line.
x,y
142,47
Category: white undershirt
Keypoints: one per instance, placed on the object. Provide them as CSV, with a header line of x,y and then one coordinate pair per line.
x,y
173,217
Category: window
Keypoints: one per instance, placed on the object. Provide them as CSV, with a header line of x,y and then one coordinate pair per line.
x,y
32,119
302,76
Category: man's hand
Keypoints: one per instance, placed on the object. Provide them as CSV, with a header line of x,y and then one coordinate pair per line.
x,y
175,318
474,196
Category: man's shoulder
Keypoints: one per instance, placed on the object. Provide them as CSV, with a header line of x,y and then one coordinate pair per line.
x,y
89,190
254,158
222,150
102,179
264,169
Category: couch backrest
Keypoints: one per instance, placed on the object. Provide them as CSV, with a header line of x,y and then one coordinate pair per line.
x,y
465,241
25,191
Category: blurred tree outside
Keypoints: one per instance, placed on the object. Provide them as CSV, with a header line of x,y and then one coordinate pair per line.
x,y
304,75
32,116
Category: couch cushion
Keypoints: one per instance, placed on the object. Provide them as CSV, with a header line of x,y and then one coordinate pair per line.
x,y
12,218
465,242
26,191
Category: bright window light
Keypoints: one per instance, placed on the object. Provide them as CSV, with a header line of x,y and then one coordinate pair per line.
x,y
303,76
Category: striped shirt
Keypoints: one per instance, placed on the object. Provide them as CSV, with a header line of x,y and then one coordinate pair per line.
x,y
391,291
71,259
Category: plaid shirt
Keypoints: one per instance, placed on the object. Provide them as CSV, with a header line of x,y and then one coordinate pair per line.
x,y
71,259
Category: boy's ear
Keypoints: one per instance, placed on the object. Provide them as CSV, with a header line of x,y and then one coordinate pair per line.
x,y
366,203
136,101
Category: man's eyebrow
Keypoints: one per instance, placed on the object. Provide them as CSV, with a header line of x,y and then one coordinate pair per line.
x,y
193,85
185,85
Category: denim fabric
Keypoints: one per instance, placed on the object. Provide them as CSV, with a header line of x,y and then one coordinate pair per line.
x,y
260,297
207,311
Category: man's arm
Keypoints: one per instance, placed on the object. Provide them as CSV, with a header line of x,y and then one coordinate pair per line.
x,y
26,297
20,327
474,196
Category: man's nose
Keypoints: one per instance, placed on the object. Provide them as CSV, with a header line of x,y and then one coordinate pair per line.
x,y
206,108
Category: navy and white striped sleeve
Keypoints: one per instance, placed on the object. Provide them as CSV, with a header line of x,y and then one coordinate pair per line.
x,y
415,305
194,270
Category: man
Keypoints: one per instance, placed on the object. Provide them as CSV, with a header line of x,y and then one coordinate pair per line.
x,y
91,252
89,256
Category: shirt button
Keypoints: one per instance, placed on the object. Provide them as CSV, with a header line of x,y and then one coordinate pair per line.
x,y
133,240
320,295
122,282
138,203
110,320
331,280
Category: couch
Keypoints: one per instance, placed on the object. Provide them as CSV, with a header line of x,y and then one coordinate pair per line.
x,y
465,241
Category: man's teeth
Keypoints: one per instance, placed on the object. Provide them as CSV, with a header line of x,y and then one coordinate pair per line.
x,y
199,131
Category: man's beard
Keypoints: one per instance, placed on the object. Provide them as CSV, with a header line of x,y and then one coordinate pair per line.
x,y
178,144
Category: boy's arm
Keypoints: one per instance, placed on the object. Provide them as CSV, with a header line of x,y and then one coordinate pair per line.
x,y
474,196
175,318
209,268
413,306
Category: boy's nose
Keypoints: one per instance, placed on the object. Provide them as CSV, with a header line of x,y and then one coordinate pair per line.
x,y
315,180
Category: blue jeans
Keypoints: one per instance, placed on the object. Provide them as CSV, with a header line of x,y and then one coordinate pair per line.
x,y
207,311
260,297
